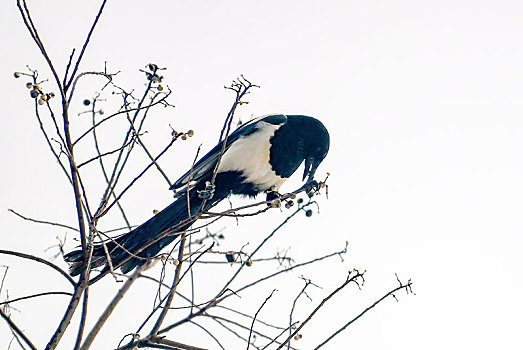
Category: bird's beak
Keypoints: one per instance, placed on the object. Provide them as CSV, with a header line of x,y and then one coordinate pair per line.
x,y
310,169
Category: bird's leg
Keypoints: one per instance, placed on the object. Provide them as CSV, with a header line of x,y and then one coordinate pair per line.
x,y
311,187
273,198
208,192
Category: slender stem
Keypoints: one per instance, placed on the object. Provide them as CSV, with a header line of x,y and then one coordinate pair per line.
x,y
402,286
176,281
42,261
17,330
35,296
110,308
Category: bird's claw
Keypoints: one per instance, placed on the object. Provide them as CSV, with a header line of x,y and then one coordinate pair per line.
x,y
208,192
273,198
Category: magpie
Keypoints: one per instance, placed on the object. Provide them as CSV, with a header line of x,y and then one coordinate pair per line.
x,y
256,158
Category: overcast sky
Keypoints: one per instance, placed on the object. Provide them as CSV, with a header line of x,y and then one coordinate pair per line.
x,y
423,101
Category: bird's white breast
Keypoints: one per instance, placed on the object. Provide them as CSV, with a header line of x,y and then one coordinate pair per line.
x,y
250,155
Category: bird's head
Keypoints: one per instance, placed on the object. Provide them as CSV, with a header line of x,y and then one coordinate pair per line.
x,y
316,145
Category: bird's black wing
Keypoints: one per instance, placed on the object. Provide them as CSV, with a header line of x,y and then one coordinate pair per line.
x,y
207,163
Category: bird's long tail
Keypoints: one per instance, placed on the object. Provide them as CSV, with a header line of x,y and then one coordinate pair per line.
x,y
129,244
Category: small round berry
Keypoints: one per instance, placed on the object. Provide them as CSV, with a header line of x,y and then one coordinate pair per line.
x,y
101,112
300,200
184,137
160,88
297,337
308,213
41,102
190,133
249,262
87,102
16,75
152,66
176,262
29,85
44,97
34,93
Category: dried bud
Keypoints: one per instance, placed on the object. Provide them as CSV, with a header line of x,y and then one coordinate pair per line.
x,y
190,133
51,94
289,204
29,85
16,75
230,256
297,337
101,112
41,102
152,66
155,211
249,262
44,97
160,88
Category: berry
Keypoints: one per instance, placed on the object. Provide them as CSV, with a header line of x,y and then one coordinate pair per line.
x,y
184,137
160,88
29,85
308,213
190,133
87,102
34,93
16,75
300,200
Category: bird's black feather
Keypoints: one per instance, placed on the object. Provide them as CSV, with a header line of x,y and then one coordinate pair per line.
x,y
277,143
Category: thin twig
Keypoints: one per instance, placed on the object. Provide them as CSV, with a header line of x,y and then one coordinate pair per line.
x,y
111,306
407,287
256,315
42,221
349,279
34,296
17,330
40,260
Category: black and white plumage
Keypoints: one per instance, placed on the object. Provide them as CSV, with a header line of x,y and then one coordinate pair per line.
x,y
258,157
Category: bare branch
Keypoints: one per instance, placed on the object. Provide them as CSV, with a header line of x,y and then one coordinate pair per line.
x,y
17,330
42,221
34,296
40,260
406,286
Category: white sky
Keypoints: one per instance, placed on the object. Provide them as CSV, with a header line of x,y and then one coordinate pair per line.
x,y
423,103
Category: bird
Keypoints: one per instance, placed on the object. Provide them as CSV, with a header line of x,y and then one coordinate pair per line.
x,y
258,157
